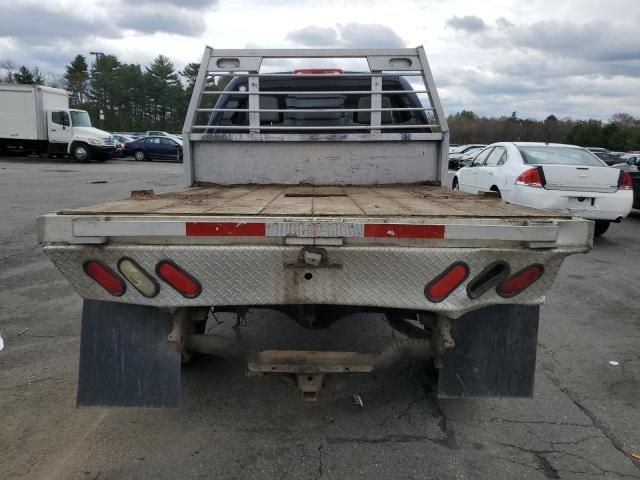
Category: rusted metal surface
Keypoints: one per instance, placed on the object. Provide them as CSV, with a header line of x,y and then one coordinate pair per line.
x,y
310,386
310,362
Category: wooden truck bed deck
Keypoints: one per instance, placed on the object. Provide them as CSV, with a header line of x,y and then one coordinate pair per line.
x,y
291,201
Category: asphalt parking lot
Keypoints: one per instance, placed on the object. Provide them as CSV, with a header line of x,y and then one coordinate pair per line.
x,y
583,422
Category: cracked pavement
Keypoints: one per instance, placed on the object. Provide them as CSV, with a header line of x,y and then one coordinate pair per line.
x,y
583,422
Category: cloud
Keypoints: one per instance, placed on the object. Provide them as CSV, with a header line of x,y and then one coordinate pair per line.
x,y
19,22
355,35
598,40
186,4
162,20
347,35
313,36
60,24
468,23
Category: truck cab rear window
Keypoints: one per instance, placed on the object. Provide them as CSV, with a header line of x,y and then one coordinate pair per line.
x,y
301,108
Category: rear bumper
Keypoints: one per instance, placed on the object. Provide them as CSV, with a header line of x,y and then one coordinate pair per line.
x,y
386,277
607,206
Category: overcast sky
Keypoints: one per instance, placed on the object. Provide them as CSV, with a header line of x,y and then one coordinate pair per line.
x,y
578,58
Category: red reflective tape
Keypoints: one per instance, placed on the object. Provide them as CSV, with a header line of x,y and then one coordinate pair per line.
x,y
224,229
398,230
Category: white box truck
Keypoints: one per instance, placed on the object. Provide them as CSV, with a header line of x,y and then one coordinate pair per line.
x,y
37,119
316,193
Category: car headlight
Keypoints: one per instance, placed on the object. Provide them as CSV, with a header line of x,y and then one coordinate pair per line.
x,y
95,141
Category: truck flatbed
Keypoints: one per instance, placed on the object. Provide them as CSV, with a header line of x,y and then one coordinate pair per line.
x,y
316,201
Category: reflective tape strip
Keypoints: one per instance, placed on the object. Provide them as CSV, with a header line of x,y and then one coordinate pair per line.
x,y
224,229
398,230
313,230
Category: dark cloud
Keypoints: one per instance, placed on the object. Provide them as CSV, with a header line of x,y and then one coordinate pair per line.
x,y
47,25
186,4
40,24
599,41
347,35
468,23
355,35
163,20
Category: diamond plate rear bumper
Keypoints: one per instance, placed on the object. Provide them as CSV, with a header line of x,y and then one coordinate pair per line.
x,y
391,277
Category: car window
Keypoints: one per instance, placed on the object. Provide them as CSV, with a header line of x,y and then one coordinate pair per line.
x,y
167,141
154,141
496,157
549,155
482,156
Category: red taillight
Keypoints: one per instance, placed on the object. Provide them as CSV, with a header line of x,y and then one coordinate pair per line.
x,y
180,280
530,178
625,182
317,71
517,282
105,277
444,284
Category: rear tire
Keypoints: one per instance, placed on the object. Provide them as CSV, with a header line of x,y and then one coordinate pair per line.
x,y
455,185
495,189
140,156
601,227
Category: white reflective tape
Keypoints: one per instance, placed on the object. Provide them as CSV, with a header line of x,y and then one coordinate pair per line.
x,y
1,343
314,229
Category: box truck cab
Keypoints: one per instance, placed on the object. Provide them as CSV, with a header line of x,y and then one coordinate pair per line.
x,y
37,119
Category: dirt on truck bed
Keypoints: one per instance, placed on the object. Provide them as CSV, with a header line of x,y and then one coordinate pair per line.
x,y
356,201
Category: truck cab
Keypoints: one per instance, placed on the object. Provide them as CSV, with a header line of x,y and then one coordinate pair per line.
x,y
70,131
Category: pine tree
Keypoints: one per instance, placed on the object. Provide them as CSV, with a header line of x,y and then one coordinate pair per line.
x,y
76,79
24,76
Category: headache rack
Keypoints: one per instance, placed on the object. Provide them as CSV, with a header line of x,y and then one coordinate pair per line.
x,y
318,151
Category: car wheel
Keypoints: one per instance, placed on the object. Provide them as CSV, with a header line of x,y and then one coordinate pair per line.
x,y
601,227
455,185
81,152
495,189
140,156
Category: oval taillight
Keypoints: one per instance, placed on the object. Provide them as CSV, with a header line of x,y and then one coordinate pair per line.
x,y
105,277
178,279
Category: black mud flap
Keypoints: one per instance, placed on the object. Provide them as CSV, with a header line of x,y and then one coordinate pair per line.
x,y
495,353
125,358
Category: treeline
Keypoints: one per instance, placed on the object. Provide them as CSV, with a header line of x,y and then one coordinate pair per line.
x,y
129,97
121,96
620,133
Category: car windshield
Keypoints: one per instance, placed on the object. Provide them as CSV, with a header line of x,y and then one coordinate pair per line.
x,y
548,155
80,118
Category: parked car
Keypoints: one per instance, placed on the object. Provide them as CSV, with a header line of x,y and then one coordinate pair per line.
x,y
632,167
550,176
121,144
156,148
456,155
156,133
610,158
459,161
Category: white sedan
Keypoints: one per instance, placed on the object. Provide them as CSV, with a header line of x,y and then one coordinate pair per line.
x,y
551,176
